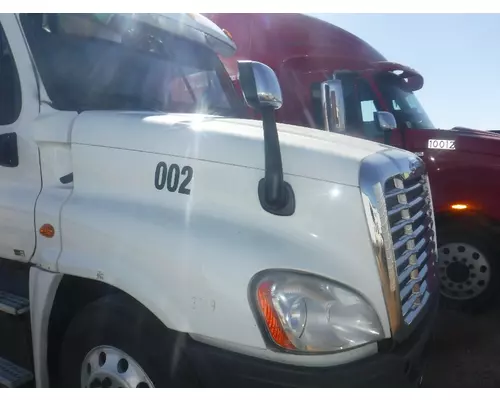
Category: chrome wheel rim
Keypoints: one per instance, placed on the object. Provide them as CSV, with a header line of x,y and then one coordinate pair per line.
x,y
109,367
464,271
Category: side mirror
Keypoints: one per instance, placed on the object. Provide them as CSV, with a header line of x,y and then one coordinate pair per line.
x,y
262,92
259,85
386,123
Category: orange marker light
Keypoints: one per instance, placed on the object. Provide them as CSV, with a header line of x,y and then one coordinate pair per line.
x,y
228,34
47,230
271,319
459,206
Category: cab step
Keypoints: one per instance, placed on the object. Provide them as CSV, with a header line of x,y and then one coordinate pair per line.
x,y
12,375
13,304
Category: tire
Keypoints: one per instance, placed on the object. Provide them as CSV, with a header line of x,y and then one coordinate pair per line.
x,y
153,353
467,268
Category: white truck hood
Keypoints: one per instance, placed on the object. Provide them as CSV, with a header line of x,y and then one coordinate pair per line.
x,y
305,152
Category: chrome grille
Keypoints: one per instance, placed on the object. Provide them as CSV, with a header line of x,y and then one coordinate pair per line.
x,y
411,223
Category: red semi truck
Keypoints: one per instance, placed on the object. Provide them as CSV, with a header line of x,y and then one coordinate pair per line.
x,y
333,80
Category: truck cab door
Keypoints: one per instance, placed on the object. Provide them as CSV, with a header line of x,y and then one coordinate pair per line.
x,y
299,85
20,179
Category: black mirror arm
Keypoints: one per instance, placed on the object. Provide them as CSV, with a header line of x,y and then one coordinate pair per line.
x,y
274,166
276,196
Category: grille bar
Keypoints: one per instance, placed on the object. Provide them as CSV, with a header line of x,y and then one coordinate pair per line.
x,y
396,192
418,280
421,231
403,207
409,210
410,220
411,256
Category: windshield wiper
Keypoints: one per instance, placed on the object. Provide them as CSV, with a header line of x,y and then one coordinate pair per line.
x,y
123,102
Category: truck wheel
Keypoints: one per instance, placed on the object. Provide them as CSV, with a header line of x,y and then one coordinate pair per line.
x,y
467,268
115,342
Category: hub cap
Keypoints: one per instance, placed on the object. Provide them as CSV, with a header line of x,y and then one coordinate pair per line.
x,y
464,271
109,367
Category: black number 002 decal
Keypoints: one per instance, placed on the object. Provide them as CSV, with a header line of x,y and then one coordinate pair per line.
x,y
171,176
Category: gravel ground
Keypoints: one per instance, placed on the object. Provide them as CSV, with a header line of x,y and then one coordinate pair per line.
x,y
465,352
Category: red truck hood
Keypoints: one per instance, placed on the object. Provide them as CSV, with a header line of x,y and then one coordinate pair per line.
x,y
471,140
462,129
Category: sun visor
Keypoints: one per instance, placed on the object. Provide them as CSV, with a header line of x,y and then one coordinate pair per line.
x,y
413,80
193,27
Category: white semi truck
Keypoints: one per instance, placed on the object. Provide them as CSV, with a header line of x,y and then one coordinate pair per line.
x,y
151,237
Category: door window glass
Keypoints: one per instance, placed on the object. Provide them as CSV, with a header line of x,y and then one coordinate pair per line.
x,y
10,89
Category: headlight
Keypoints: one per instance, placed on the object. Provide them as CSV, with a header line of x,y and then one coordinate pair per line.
x,y
306,313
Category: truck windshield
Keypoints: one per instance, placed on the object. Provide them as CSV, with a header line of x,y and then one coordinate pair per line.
x,y
113,62
403,103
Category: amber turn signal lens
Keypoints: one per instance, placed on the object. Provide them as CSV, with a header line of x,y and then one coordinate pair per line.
x,y
271,319
47,230
228,34
459,206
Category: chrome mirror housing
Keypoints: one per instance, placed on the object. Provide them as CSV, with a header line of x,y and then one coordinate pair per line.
x,y
259,85
385,121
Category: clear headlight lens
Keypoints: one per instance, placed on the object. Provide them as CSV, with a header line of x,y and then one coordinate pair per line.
x,y
312,314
